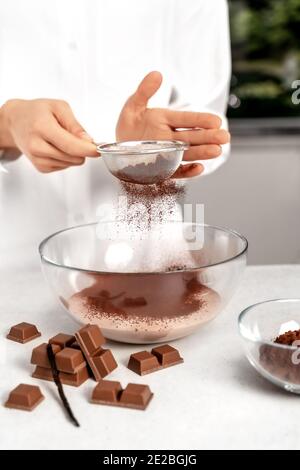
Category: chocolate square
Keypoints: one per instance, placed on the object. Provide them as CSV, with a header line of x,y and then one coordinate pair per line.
x,y
42,373
90,339
75,380
23,332
24,397
143,363
136,396
106,392
39,355
62,339
167,355
102,363
69,360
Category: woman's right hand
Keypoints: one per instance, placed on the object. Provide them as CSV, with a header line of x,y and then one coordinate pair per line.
x,y
47,132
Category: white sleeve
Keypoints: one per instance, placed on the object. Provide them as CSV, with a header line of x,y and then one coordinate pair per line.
x,y
7,156
2,166
201,61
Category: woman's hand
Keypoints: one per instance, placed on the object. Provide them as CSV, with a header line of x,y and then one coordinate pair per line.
x,y
47,132
202,130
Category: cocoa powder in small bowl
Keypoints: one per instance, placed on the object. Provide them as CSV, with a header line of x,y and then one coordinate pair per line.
x,y
282,362
288,338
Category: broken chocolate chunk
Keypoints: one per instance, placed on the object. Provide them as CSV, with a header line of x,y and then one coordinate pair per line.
x,y
161,357
110,393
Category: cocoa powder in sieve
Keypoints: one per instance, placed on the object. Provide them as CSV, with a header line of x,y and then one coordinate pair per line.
x,y
147,173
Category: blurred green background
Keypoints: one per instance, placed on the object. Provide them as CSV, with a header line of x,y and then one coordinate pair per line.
x,y
265,37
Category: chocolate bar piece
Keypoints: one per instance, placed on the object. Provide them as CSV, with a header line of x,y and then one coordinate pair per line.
x,y
101,361
69,360
109,392
167,355
42,373
74,379
23,332
75,345
39,356
144,362
24,397
136,396
62,339
90,339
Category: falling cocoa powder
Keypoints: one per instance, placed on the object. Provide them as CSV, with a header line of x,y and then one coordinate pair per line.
x,y
160,296
160,202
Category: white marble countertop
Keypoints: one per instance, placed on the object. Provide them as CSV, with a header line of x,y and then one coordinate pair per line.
x,y
214,400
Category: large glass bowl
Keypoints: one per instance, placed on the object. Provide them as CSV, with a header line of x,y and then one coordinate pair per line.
x,y
144,289
259,325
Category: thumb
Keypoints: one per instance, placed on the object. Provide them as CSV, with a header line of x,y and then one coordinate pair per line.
x,y
146,89
67,120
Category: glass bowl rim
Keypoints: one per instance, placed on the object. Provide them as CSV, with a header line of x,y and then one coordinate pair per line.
x,y
92,271
172,145
263,341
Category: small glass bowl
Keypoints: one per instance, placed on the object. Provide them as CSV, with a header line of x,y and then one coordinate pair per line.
x,y
143,162
259,325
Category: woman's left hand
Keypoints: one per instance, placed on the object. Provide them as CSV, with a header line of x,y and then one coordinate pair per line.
x,y
202,131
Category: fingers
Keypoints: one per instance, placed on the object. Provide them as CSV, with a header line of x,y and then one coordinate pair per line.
x,y
202,152
68,143
203,136
146,89
47,132
45,150
64,115
47,165
46,158
177,119
188,170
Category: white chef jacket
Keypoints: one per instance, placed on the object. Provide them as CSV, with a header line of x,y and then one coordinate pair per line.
x,y
93,55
